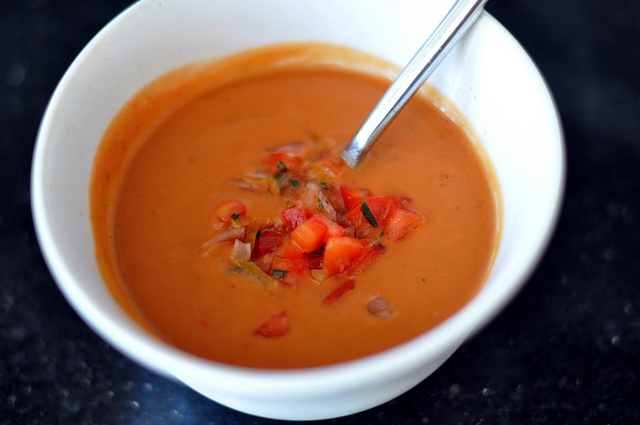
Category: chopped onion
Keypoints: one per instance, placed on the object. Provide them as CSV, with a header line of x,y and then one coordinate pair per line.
x,y
296,149
241,251
380,307
252,182
227,235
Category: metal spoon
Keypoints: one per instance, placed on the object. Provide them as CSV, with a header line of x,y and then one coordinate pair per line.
x,y
458,20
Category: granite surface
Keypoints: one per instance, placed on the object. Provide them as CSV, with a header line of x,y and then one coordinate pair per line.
x,y
566,351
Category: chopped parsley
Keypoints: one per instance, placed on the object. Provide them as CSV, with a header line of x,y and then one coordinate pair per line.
x,y
367,214
236,215
279,273
295,182
281,166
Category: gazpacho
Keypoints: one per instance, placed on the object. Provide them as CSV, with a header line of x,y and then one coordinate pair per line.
x,y
227,224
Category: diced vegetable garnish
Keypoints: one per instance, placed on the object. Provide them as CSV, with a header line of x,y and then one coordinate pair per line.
x,y
226,236
340,291
241,251
366,212
352,196
309,236
230,211
366,259
268,240
326,233
400,220
341,252
380,307
289,271
275,326
292,217
256,272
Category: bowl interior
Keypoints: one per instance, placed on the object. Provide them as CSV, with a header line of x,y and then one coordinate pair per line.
x,y
488,76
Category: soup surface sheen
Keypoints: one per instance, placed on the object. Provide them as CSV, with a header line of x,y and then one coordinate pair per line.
x,y
164,165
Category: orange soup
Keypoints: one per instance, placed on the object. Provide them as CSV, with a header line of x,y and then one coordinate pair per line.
x,y
226,223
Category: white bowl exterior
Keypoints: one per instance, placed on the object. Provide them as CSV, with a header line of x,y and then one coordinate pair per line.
x,y
488,77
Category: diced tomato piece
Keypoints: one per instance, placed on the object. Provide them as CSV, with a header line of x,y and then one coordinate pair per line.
x,y
363,228
339,292
292,251
289,271
230,210
400,220
341,252
333,164
292,217
309,235
275,326
379,208
284,161
269,240
366,259
333,228
352,197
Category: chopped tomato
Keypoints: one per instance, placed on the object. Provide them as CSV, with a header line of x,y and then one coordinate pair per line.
x,y
292,251
352,197
400,220
284,160
332,164
341,252
372,213
269,240
289,271
339,292
333,228
275,326
309,235
230,210
292,217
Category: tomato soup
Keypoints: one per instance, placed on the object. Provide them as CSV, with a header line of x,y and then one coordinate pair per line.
x,y
226,224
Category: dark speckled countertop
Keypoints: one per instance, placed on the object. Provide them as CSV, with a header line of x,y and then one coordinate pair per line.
x,y
566,351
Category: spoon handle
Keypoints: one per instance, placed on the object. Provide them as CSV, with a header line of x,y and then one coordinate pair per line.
x,y
458,20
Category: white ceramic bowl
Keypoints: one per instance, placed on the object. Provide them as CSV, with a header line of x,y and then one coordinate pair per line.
x,y
488,76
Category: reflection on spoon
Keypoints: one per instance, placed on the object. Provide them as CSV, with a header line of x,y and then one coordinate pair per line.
x,y
458,20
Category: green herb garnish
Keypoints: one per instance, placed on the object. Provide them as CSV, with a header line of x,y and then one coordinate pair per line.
x,y
281,166
324,185
367,214
294,182
279,273
236,215
320,204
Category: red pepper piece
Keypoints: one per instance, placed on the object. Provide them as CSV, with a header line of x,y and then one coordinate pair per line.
x,y
366,259
292,217
275,326
269,240
339,292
